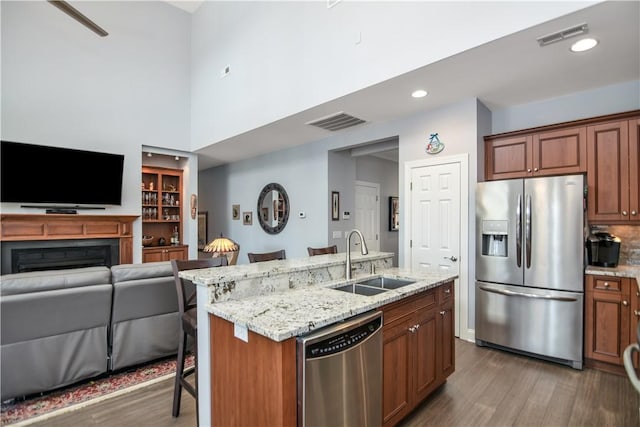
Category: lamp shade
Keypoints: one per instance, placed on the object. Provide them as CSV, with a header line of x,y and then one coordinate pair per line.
x,y
221,244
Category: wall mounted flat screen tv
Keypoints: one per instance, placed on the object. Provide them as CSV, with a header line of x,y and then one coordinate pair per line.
x,y
57,176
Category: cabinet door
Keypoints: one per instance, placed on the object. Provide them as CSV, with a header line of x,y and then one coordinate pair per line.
x,y
607,315
634,316
176,253
152,255
425,331
634,170
608,171
396,380
560,152
446,340
509,157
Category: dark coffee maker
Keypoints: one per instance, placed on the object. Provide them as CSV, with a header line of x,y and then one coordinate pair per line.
x,y
603,249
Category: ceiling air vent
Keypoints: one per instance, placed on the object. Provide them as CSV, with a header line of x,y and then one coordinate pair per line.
x,y
563,34
336,121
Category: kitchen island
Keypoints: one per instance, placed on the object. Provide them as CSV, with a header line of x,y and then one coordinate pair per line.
x,y
247,332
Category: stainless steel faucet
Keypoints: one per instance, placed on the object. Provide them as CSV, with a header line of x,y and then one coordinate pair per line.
x,y
363,251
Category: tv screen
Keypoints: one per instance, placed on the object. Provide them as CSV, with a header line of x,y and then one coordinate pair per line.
x,y
59,176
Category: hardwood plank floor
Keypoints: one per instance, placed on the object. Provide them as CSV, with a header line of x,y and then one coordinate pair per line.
x,y
489,388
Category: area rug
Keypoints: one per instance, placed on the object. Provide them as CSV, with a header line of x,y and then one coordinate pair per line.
x,y
24,411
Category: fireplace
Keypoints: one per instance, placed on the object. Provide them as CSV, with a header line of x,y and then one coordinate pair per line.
x,y
39,255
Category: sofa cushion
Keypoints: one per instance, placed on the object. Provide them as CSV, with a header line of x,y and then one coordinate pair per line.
x,y
148,270
38,281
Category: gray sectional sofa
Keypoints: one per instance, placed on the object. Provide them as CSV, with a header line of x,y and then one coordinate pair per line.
x,y
59,327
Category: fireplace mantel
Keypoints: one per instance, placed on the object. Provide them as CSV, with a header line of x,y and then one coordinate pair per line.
x,y
24,227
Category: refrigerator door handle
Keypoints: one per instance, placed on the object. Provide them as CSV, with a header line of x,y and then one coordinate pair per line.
x,y
527,231
526,295
519,231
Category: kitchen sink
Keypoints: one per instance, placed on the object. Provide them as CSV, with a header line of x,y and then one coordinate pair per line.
x,y
356,288
386,282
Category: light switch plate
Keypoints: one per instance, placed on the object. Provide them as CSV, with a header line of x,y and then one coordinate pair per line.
x,y
337,234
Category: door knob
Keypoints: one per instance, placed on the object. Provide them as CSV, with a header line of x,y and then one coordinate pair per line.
x,y
451,258
442,313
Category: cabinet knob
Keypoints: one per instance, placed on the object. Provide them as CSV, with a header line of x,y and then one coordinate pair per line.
x,y
606,284
447,291
535,169
634,213
412,329
442,313
625,303
637,313
624,213
529,170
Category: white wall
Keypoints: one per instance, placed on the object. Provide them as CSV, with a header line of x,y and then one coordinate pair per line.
x,y
286,57
62,85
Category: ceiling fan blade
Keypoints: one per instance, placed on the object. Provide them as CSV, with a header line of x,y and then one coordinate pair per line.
x,y
75,14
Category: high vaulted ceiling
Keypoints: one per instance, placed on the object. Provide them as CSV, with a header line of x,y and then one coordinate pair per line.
x,y
507,72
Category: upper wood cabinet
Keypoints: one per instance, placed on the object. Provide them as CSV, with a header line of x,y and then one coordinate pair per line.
x,y
554,152
613,179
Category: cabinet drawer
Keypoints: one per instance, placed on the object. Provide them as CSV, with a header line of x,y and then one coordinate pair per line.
x,y
445,292
607,284
396,310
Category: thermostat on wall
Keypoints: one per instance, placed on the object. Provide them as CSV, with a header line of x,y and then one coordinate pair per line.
x,y
302,215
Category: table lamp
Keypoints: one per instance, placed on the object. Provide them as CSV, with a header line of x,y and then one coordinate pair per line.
x,y
224,246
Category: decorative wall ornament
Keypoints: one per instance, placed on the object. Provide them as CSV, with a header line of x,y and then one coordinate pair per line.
x,y
194,206
434,146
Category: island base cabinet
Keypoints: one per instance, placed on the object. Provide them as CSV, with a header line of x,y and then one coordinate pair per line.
x,y
418,350
253,383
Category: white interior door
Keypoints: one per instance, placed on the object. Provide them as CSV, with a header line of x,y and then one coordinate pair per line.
x,y
435,203
438,223
367,218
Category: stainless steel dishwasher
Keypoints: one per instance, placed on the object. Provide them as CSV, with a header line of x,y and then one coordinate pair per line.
x,y
340,374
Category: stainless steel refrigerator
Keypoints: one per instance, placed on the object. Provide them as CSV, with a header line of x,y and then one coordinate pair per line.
x,y
530,266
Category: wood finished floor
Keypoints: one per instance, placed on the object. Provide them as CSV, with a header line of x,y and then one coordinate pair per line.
x,y
489,388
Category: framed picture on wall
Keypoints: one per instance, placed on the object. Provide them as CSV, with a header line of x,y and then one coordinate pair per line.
x,y
335,205
247,218
202,229
235,211
394,214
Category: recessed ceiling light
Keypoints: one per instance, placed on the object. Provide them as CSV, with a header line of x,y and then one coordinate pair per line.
x,y
584,44
420,93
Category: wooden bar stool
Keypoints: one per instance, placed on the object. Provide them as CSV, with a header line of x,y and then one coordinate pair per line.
x,y
322,251
187,309
267,256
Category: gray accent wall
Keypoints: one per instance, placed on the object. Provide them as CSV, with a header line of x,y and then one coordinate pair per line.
x,y
385,173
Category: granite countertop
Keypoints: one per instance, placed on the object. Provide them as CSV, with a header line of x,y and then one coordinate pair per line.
x,y
283,315
627,270
207,277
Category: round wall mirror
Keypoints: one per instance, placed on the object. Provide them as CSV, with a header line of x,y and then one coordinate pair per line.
x,y
273,208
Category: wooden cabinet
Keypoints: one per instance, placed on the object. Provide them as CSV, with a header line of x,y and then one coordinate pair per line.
x,y
418,350
165,253
162,205
542,153
609,318
613,177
